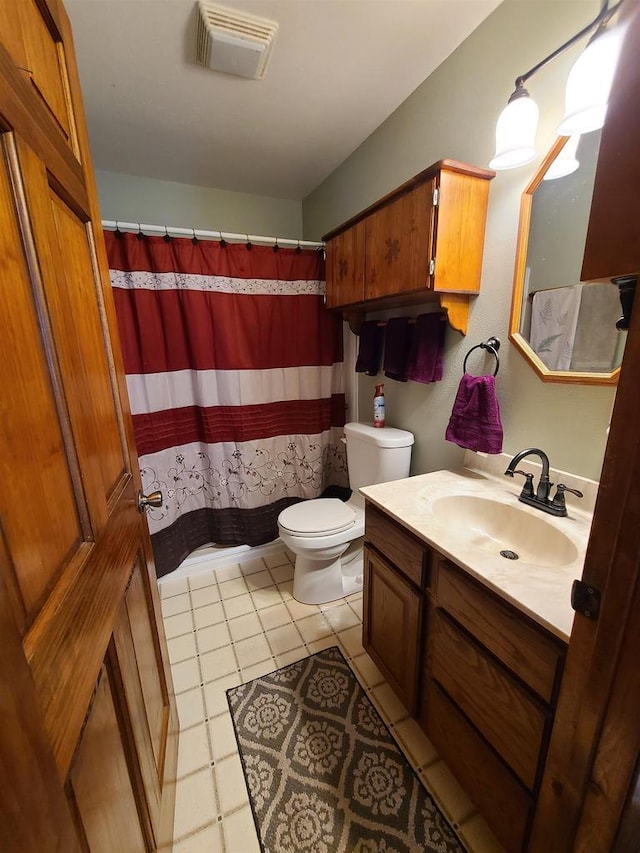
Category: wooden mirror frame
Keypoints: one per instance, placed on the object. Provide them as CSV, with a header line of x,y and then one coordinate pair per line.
x,y
515,337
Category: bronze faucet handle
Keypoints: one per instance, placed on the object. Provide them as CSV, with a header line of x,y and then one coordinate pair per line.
x,y
527,488
558,500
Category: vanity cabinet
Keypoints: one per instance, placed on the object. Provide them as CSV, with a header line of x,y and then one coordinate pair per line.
x,y
422,241
479,675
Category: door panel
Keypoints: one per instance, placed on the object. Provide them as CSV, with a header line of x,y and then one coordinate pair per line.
x,y
148,664
42,499
136,660
100,775
46,66
68,275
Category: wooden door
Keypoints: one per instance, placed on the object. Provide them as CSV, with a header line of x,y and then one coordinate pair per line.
x,y
87,683
345,267
595,743
399,243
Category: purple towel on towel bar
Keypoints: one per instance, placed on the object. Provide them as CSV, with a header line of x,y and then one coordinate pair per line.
x,y
425,358
397,345
370,348
475,420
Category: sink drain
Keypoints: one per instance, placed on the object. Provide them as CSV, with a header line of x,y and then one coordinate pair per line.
x,y
509,555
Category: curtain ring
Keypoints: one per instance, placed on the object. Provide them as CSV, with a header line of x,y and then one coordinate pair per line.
x,y
194,239
117,233
167,237
298,249
223,242
276,248
249,244
140,235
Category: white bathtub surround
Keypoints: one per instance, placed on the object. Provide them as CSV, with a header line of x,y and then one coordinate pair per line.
x,y
538,585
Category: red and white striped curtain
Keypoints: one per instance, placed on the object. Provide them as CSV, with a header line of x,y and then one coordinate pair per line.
x,y
235,376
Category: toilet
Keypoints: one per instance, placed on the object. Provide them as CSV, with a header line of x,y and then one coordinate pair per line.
x,y
326,534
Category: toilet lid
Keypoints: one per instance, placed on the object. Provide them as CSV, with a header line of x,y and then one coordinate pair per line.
x,y
317,517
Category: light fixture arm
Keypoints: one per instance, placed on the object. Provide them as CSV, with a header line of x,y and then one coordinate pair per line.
x,y
601,18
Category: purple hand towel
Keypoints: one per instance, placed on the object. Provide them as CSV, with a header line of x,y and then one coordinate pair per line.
x,y
475,420
425,358
370,348
397,345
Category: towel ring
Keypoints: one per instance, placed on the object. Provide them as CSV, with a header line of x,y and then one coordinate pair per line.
x,y
492,345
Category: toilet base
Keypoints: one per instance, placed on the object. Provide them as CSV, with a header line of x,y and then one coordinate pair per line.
x,y
322,581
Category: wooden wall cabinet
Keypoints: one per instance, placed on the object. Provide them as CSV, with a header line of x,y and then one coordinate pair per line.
x,y
421,242
487,676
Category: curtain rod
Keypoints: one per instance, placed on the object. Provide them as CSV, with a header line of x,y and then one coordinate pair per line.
x,y
136,227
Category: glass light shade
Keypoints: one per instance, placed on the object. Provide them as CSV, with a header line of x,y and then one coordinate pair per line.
x,y
516,134
566,161
589,84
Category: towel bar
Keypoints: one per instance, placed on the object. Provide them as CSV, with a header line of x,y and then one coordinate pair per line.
x,y
492,344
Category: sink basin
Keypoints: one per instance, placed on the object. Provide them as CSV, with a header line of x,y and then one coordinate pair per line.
x,y
494,526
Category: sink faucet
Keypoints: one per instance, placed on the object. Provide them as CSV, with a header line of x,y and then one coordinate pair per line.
x,y
540,499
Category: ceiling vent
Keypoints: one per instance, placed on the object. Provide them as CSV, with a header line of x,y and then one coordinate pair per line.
x,y
233,42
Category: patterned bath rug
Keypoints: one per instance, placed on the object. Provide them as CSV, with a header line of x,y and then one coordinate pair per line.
x,y
324,774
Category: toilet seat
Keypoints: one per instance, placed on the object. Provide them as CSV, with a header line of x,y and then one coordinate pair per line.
x,y
318,517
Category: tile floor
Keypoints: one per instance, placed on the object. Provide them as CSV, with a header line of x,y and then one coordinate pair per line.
x,y
229,624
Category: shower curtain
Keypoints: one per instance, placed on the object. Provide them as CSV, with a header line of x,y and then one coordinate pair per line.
x,y
235,377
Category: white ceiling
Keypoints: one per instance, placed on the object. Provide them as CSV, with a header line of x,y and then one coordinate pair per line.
x,y
338,69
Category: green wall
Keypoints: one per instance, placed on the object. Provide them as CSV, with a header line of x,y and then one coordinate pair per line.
x,y
452,115
136,199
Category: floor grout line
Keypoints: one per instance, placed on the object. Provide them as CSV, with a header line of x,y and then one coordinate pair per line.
x,y
243,674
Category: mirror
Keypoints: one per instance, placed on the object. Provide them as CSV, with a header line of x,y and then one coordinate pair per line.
x,y
564,328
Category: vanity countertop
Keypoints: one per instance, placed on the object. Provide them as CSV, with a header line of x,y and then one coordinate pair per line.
x,y
541,591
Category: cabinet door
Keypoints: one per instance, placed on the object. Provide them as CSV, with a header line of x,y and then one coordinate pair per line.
x,y
345,267
392,626
399,240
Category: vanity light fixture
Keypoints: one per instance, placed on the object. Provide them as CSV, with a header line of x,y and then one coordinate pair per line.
x,y
566,162
588,88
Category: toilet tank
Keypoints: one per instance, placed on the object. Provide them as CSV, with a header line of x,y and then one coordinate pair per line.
x,y
376,455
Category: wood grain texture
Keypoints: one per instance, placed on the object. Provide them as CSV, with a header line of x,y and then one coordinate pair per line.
x,y
459,229
392,625
616,760
405,233
100,776
613,235
46,71
501,798
531,653
36,503
68,641
510,720
34,816
24,112
399,243
408,554
426,175
345,256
